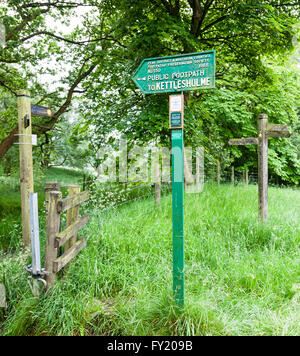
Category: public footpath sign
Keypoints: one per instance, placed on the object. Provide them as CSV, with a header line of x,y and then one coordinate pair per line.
x,y
176,73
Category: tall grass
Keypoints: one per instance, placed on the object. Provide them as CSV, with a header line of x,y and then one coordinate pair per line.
x,y
240,276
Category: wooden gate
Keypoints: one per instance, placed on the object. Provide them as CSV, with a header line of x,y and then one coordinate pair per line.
x,y
55,206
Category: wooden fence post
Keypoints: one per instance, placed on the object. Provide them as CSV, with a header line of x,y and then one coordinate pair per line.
x,y
26,164
157,184
218,169
245,177
263,167
232,175
53,226
72,214
48,188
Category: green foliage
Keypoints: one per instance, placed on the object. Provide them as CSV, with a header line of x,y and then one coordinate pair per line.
x,y
252,42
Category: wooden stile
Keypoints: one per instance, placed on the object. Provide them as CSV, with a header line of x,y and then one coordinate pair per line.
x,y
56,239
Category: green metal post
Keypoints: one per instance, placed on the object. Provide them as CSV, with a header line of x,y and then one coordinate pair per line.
x,y
177,205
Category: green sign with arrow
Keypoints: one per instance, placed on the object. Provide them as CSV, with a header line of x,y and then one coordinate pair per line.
x,y
176,73
170,75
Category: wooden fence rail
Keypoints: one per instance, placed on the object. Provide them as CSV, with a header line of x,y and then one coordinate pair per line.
x,y
67,238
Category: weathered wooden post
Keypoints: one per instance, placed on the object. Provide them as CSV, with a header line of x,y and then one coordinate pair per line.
x,y
26,164
265,130
53,226
72,214
49,186
262,124
157,184
245,176
218,172
232,175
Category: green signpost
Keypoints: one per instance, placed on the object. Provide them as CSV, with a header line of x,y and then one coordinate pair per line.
x,y
176,74
178,216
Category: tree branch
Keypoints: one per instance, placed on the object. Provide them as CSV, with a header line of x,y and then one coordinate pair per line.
x,y
20,27
50,34
222,18
66,104
47,33
207,5
8,88
57,4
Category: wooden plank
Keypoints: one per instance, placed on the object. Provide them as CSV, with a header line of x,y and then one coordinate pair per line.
x,y
72,214
53,226
277,130
278,134
277,127
61,261
2,296
243,141
71,230
71,202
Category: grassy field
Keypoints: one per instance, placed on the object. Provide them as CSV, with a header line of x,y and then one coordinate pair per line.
x,y
241,278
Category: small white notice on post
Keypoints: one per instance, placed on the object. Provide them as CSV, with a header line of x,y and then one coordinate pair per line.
x,y
34,140
175,103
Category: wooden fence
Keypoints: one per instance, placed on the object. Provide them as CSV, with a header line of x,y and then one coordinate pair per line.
x,y
56,239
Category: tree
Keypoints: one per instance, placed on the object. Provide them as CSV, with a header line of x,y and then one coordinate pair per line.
x,y
243,33
29,41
